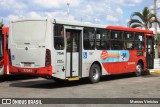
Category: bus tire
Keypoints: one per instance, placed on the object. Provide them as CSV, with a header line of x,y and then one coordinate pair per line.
x,y
94,74
139,69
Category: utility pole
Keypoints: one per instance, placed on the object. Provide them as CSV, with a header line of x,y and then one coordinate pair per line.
x,y
68,11
155,29
155,12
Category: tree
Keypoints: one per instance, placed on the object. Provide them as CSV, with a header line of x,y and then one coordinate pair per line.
x,y
143,19
1,23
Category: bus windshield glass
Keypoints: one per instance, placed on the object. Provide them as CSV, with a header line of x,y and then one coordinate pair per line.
x,y
1,46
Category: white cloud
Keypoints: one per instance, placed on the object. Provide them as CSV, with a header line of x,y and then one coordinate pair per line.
x,y
112,18
97,20
89,9
11,4
121,1
48,3
137,1
34,15
75,3
59,15
12,17
119,11
56,3
128,2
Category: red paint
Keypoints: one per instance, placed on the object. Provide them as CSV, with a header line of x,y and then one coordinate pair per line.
x,y
4,61
124,67
46,71
129,29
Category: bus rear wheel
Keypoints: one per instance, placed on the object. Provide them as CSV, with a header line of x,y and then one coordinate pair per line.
x,y
139,69
94,73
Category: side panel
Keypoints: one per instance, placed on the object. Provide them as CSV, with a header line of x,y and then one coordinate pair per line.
x,y
59,51
59,64
116,62
88,58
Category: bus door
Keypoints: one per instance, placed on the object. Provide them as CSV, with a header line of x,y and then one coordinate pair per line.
x,y
150,51
74,51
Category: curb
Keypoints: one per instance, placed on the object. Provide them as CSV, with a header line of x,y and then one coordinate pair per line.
x,y
155,71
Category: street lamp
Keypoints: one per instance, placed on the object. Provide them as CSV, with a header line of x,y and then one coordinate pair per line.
x,y
68,11
155,12
155,25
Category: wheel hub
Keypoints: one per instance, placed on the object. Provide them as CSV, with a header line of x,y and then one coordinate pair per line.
x,y
138,68
95,74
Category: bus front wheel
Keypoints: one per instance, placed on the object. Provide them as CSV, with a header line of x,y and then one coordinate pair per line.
x,y
94,73
139,69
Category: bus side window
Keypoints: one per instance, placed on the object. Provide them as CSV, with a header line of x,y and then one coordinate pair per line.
x,y
128,40
102,39
116,40
58,37
139,41
89,39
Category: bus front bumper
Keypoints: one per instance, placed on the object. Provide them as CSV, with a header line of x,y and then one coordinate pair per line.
x,y
45,71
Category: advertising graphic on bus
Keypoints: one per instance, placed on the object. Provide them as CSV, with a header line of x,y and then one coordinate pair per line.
x,y
74,50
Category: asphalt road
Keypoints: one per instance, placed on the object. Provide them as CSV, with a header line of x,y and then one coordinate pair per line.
x,y
118,86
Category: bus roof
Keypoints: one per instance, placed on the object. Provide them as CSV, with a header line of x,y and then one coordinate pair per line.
x,y
87,24
65,22
76,23
129,29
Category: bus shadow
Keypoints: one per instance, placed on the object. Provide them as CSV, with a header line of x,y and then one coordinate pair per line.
x,y
15,78
117,77
151,75
51,84
47,84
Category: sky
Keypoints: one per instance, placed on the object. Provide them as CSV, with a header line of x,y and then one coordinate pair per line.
x,y
106,12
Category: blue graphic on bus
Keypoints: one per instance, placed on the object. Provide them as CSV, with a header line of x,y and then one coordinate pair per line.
x,y
84,55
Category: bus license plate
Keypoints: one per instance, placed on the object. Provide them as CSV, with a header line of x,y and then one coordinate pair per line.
x,y
27,65
27,70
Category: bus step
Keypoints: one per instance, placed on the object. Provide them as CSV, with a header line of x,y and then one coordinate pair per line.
x,y
73,78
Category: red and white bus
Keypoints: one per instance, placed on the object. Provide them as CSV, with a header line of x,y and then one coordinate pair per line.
x,y
3,51
73,50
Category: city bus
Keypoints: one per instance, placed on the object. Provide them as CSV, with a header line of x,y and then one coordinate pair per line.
x,y
65,50
4,60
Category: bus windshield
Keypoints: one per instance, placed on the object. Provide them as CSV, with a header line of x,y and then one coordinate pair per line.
x,y
29,31
1,46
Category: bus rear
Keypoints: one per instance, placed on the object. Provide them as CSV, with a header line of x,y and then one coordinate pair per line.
x,y
30,47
